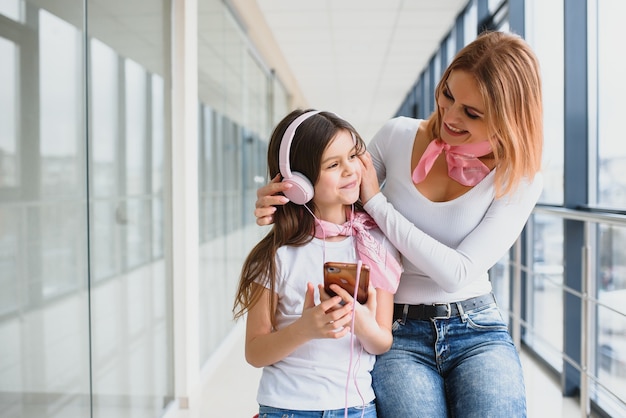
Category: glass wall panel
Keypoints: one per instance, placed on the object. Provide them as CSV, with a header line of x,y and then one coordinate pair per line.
x,y
44,259
545,289
470,22
61,97
132,358
44,328
544,32
450,46
235,113
105,170
9,114
281,105
104,120
12,9
610,344
500,277
610,87
157,175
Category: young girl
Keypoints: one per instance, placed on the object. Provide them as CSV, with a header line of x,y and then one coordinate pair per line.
x,y
316,352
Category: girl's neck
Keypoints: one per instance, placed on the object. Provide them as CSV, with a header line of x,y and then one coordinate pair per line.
x,y
337,215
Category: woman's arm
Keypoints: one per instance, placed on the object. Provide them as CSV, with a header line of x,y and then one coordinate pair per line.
x,y
265,346
453,268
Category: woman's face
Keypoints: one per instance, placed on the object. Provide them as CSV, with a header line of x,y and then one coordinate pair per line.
x,y
339,178
462,110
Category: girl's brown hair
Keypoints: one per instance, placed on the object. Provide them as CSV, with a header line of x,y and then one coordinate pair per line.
x,y
508,77
293,225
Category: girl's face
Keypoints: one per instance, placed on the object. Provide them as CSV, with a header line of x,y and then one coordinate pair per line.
x,y
339,179
462,110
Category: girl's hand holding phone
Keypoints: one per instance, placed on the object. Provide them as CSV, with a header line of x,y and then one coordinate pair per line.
x,y
326,320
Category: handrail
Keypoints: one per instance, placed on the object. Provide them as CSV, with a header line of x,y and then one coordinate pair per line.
x,y
599,216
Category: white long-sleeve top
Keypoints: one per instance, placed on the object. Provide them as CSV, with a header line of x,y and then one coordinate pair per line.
x,y
447,247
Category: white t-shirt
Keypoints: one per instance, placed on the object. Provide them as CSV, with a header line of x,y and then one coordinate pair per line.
x,y
315,375
447,247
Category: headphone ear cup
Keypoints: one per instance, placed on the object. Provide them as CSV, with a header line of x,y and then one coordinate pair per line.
x,y
301,190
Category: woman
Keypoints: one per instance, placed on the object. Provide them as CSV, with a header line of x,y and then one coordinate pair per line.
x,y
458,189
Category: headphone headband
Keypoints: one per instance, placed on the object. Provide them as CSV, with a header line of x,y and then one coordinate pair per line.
x,y
285,143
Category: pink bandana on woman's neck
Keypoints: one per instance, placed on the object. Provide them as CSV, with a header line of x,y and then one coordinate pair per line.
x,y
384,268
463,163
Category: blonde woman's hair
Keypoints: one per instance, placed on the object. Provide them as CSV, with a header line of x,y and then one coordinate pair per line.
x,y
508,76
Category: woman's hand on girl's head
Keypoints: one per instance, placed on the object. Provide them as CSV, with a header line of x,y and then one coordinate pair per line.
x,y
267,199
369,180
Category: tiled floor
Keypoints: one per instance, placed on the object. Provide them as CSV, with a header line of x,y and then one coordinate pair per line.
x,y
230,392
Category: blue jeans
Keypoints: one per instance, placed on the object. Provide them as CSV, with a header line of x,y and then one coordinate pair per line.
x,y
366,411
459,367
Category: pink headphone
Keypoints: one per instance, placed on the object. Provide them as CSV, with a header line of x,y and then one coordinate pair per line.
x,y
302,190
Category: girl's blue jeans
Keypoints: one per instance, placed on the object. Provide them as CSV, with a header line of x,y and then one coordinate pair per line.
x,y
366,411
459,367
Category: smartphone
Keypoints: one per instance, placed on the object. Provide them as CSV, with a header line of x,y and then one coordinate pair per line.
x,y
344,275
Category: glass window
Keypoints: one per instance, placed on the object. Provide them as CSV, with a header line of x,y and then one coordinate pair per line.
x,y
450,46
104,120
494,4
12,9
207,220
106,216
257,88
280,105
610,344
11,260
545,289
131,303
544,32
470,23
136,113
428,89
610,87
43,218
61,226
158,163
61,105
158,132
9,114
437,71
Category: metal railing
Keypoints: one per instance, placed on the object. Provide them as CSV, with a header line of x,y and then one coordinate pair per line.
x,y
587,295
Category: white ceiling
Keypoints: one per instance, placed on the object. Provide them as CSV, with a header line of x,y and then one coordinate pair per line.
x,y
358,58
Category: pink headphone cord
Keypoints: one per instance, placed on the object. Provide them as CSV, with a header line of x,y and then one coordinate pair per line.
x,y
359,264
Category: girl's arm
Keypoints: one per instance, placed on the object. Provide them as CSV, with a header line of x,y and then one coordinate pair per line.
x,y
372,324
265,346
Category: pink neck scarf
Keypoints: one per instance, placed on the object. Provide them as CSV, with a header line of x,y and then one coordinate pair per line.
x,y
463,163
384,268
